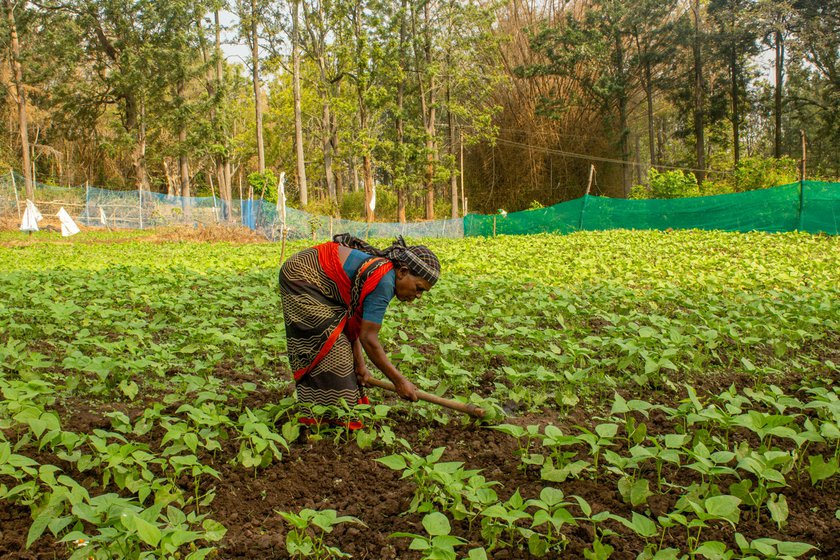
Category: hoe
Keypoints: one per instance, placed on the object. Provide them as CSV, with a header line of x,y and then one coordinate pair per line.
x,y
466,408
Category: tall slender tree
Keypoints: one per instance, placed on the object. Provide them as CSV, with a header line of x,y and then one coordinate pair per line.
x,y
699,91
250,14
776,18
300,158
735,37
653,32
17,76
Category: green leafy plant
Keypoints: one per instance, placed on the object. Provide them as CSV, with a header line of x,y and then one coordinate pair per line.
x,y
308,528
438,543
258,442
126,530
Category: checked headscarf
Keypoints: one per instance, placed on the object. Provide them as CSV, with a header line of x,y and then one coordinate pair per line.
x,y
418,259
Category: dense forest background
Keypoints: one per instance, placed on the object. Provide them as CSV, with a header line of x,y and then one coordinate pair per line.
x,y
504,104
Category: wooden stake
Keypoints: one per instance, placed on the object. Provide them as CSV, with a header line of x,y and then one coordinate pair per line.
x,y
283,245
463,198
591,177
804,156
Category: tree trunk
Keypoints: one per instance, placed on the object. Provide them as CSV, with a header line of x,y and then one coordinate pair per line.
x,y
626,170
339,179
171,183
301,164
736,115
327,148
427,107
453,175
777,94
355,175
430,122
23,121
223,160
183,160
649,97
368,178
255,74
699,135
399,164
624,131
136,120
430,173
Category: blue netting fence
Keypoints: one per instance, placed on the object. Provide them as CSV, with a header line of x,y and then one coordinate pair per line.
x,y
95,207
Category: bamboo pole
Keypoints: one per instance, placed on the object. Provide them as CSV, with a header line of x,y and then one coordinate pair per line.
x,y
802,168
463,198
466,408
802,182
586,196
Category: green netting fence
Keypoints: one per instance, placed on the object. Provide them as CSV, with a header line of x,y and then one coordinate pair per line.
x,y
811,206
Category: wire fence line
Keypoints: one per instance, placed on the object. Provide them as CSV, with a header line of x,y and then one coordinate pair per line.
x,y
96,207
810,206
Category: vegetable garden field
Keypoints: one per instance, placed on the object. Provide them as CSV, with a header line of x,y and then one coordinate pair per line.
x,y
652,395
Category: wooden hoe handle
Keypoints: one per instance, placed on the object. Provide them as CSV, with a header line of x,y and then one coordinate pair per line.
x,y
466,408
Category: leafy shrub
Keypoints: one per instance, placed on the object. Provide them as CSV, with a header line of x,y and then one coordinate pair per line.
x,y
264,185
761,173
667,184
353,206
711,188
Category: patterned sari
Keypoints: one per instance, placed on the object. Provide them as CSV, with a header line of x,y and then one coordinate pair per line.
x,y
322,310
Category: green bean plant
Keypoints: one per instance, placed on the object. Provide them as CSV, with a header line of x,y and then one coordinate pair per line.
x,y
647,529
526,437
600,550
502,523
123,529
602,437
551,512
441,484
769,469
189,465
666,450
698,508
21,472
709,464
561,463
309,529
821,470
438,543
770,549
258,442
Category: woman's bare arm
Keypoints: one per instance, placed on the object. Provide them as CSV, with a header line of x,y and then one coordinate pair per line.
x,y
369,340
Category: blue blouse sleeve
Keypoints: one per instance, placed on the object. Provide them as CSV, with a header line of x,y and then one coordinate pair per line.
x,y
376,302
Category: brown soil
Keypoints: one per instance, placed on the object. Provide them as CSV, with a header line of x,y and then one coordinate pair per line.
x,y
321,474
206,234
